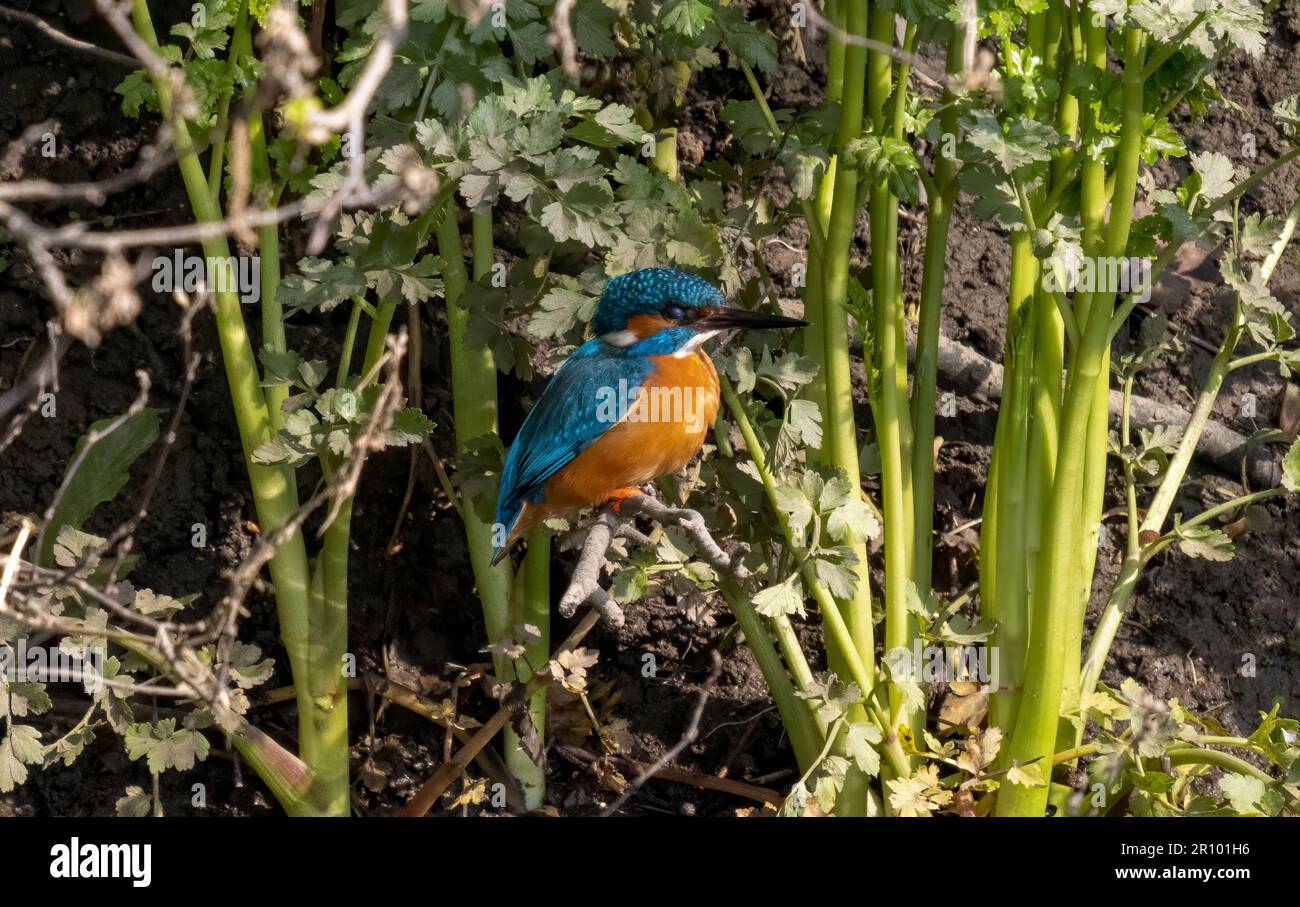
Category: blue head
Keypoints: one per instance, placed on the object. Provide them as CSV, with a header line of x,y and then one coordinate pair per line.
x,y
660,311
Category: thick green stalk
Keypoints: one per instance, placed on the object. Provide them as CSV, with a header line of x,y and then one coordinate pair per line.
x,y
926,373
532,603
840,443
474,400
1008,604
329,688
274,489
891,412
329,606
1044,427
268,236
1096,190
835,50
535,607
1059,568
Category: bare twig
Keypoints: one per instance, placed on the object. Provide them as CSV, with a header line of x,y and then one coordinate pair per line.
x,y
700,780
66,40
561,36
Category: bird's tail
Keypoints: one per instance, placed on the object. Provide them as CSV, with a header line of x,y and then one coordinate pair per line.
x,y
523,523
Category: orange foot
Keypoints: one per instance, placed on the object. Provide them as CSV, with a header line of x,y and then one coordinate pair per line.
x,y
619,495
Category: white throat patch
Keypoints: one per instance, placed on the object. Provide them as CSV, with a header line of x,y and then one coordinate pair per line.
x,y
620,338
694,344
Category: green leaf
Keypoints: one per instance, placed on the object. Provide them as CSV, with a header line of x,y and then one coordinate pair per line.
x,y
837,573
206,30
854,518
410,426
1291,467
1022,143
530,42
792,499
26,743
1258,234
1287,114
1159,140
780,600
101,474
20,747
136,804
1204,541
166,747
593,23
138,92
611,126
563,306
686,17
1239,23
320,285
1242,792
790,371
18,700
247,666
744,40
148,602
1216,172
888,160
860,740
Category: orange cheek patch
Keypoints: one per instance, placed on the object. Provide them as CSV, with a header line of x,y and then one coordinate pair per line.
x,y
647,325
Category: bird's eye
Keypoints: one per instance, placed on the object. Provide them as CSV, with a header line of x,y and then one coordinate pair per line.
x,y
674,313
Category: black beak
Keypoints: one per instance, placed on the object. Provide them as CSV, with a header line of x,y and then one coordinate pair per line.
x,y
723,319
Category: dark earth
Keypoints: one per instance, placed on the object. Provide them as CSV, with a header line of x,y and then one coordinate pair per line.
x,y
414,611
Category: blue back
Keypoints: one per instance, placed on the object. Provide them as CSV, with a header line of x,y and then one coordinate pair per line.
x,y
565,421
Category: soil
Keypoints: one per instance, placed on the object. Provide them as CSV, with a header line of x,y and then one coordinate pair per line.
x,y
413,612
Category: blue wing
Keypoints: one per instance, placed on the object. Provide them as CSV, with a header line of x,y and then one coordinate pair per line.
x,y
569,416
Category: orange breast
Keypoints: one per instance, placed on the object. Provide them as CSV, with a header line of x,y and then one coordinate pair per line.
x,y
665,426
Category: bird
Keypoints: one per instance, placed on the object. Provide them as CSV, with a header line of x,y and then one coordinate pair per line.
x,y
633,403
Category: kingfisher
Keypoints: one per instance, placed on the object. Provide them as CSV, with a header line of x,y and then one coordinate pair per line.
x,y
631,404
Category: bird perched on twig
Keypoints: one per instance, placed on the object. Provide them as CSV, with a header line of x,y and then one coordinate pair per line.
x,y
633,403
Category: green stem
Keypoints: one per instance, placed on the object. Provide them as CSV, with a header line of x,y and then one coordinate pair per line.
x,y
925,382
1005,518
1191,755
349,343
329,642
268,235
274,488
840,447
1059,571
474,400
532,606
806,738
